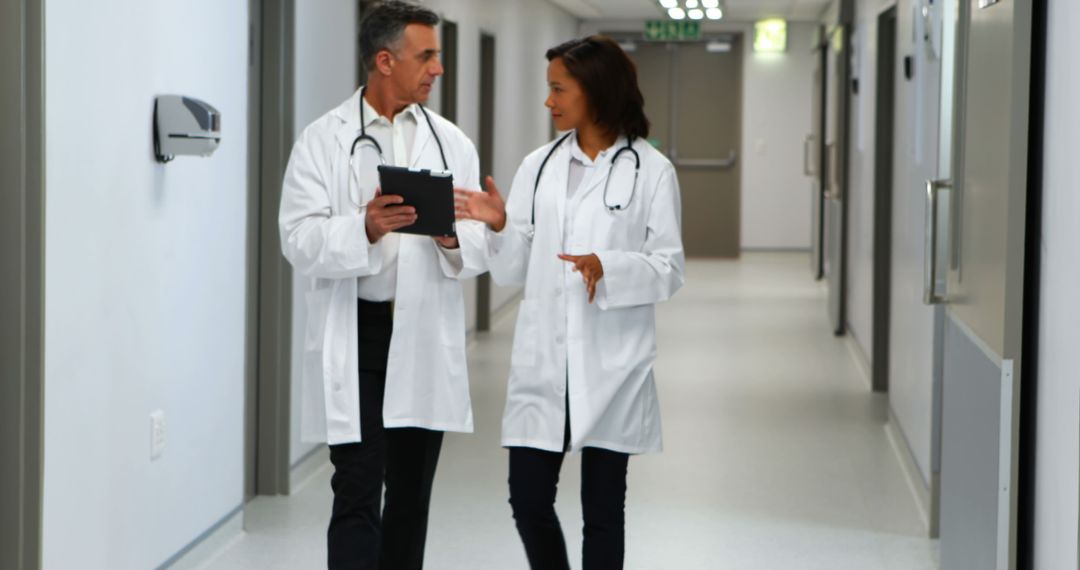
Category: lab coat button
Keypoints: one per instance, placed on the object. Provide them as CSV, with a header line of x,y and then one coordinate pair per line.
x,y
558,292
337,386
559,339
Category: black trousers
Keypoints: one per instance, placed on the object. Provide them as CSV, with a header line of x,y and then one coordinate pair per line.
x,y
363,534
534,477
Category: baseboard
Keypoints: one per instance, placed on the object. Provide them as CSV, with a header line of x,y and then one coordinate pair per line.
x,y
307,467
208,544
924,497
861,360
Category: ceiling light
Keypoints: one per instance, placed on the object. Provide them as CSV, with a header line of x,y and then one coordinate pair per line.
x,y
714,13
696,14
710,3
676,13
669,3
691,3
628,46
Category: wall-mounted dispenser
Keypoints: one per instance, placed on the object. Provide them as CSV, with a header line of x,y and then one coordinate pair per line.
x,y
184,126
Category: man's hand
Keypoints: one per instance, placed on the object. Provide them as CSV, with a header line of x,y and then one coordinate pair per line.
x,y
592,271
487,207
384,215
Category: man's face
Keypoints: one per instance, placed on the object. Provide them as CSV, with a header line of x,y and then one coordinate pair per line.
x,y
416,64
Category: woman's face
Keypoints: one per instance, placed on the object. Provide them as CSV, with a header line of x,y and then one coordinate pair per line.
x,y
566,99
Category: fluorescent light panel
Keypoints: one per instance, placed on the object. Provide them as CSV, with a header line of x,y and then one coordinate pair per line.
x,y
694,9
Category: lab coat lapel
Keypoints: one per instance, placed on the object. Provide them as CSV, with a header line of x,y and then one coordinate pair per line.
x,y
600,172
420,143
560,176
349,113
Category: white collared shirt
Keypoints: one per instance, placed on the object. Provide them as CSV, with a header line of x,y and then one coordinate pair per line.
x,y
396,139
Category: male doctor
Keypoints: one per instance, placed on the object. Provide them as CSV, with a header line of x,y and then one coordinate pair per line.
x,y
384,349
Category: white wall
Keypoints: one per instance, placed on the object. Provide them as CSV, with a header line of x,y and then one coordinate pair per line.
x,y
1058,460
325,69
915,160
860,276
145,290
776,197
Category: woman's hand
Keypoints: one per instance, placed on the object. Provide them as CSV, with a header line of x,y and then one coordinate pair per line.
x,y
487,207
592,271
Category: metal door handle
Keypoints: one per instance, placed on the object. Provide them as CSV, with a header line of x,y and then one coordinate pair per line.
x,y
809,168
930,294
717,163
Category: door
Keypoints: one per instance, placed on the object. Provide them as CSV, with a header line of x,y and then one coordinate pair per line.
x,y
883,195
983,295
813,155
487,161
693,97
838,74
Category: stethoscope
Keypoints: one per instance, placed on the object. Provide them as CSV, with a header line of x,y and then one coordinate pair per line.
x,y
613,208
363,138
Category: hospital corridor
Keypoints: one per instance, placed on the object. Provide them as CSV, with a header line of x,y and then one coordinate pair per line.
x,y
776,453
539,285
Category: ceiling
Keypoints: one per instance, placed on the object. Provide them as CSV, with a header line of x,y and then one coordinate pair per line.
x,y
734,10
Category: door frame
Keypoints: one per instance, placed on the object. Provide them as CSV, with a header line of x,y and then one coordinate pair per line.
x,y
268,341
1029,366
486,144
22,281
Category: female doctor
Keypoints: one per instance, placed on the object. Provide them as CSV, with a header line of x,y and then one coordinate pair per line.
x,y
592,229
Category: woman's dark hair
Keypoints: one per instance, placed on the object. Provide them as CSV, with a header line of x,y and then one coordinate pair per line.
x,y
609,79
384,24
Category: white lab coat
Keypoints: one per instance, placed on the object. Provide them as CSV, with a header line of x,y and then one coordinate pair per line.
x,y
323,236
602,353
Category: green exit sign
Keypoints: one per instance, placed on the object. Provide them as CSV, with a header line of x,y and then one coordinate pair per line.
x,y
672,30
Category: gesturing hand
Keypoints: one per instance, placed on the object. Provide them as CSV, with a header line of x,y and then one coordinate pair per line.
x,y
592,271
384,215
487,207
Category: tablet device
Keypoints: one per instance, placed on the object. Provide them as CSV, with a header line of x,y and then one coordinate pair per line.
x,y
431,193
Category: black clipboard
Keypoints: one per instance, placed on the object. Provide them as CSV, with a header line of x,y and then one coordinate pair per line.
x,y
431,193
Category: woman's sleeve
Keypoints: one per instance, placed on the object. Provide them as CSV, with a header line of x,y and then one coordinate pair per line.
x,y
509,250
654,274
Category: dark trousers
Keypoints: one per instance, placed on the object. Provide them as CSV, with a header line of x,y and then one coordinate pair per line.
x,y
362,535
534,476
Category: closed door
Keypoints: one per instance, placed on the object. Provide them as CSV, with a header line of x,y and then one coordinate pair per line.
x,y
983,295
813,155
693,97
835,249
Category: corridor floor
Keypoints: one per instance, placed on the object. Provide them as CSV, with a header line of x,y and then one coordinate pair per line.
x,y
776,452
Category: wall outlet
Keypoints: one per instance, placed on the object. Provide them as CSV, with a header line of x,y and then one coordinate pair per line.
x,y
157,433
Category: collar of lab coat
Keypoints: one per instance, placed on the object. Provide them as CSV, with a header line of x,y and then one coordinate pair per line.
x,y
349,114
601,165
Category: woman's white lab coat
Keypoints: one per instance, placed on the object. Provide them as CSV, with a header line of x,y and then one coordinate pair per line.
x,y
323,235
601,353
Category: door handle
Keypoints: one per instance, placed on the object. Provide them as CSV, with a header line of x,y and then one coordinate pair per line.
x,y
930,292
809,169
713,163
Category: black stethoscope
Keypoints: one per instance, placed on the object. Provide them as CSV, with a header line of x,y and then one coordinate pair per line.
x,y
363,137
613,208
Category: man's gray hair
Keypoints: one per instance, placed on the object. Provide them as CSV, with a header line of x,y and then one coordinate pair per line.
x,y
384,25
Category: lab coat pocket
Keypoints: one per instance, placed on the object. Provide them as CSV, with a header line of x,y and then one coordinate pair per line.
x,y
625,337
525,333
